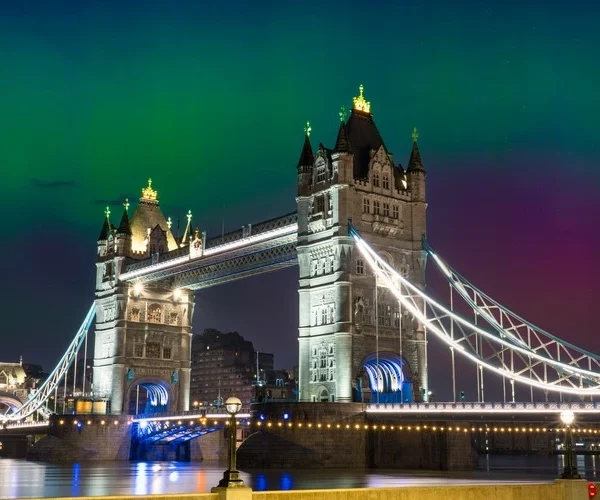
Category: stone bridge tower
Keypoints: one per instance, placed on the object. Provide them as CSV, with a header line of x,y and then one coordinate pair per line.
x,y
143,332
342,321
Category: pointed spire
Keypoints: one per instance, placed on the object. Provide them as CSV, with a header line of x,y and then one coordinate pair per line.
x,y
188,229
415,162
106,226
306,157
124,227
342,143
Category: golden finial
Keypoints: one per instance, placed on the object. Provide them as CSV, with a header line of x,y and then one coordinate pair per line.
x,y
149,194
415,135
360,104
189,216
169,223
126,204
342,114
107,212
307,129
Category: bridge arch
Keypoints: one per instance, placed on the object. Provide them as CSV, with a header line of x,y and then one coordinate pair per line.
x,y
149,395
9,403
323,395
387,376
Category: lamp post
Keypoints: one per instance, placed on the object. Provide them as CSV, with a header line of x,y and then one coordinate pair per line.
x,y
570,471
231,477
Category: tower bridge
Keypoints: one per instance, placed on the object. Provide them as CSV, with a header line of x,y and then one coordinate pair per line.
x,y
358,237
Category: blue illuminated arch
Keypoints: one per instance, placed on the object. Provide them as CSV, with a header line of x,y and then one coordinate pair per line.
x,y
387,380
9,403
157,395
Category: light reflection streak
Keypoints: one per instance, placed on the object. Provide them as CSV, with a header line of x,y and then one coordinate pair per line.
x,y
22,479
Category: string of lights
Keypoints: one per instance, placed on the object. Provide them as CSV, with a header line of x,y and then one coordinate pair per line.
x,y
414,427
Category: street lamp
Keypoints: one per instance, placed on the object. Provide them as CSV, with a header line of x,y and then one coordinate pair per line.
x,y
570,471
231,477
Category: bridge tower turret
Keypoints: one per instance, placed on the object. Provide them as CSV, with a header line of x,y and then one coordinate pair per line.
x,y
342,321
123,233
143,330
305,163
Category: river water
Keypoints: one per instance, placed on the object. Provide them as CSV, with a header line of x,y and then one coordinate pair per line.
x,y
20,479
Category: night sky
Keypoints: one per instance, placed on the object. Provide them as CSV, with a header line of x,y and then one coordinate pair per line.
x,y
210,101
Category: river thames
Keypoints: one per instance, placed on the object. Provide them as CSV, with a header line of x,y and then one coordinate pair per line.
x,y
21,479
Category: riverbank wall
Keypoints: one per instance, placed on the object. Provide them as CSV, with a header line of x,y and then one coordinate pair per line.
x,y
557,490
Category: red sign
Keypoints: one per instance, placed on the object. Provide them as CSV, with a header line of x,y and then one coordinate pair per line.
x,y
592,490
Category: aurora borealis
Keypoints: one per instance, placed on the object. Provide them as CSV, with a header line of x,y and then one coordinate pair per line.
x,y
210,100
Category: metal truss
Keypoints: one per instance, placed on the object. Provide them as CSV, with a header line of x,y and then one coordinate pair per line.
x,y
251,250
250,264
174,432
37,401
496,350
576,367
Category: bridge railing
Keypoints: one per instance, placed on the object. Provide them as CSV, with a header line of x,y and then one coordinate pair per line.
x,y
484,407
24,425
216,241
200,412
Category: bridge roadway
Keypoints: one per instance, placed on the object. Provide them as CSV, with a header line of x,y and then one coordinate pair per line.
x,y
543,413
588,412
252,250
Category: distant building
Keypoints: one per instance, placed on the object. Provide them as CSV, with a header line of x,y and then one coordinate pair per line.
x,y
35,375
223,365
13,385
277,385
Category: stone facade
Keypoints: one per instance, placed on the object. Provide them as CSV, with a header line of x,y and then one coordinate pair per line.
x,y
143,331
13,386
341,320
337,438
95,438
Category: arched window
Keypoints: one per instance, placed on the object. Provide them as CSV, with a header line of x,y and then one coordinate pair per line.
x,y
327,266
321,172
323,358
376,179
134,314
154,313
324,316
386,182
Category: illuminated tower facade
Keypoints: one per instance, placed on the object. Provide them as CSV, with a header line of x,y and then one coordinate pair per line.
x,y
349,326
143,332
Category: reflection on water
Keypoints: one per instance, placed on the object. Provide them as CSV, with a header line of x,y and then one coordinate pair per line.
x,y
19,478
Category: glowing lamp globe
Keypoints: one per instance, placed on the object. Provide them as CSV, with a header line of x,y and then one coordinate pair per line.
x,y
138,288
233,405
567,417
